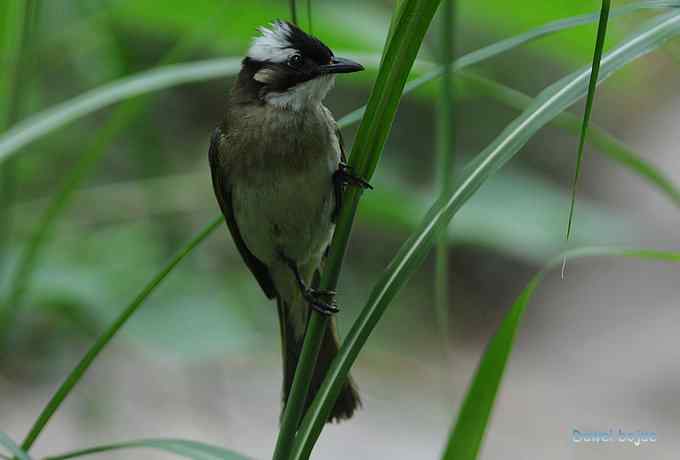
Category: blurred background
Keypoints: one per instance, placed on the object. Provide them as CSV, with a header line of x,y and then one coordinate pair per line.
x,y
598,350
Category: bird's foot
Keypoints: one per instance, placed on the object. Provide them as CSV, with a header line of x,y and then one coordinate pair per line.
x,y
342,177
322,301
345,174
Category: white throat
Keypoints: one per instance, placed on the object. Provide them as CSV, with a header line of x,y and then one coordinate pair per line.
x,y
299,97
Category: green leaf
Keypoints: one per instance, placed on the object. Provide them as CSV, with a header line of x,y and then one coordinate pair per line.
x,y
502,46
592,86
397,208
445,159
77,373
310,29
467,435
409,25
293,11
183,448
550,103
162,78
122,117
18,33
506,18
12,41
559,25
12,448
605,142
90,101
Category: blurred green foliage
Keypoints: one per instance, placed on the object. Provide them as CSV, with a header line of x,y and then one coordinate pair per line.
x,y
152,190
138,205
507,18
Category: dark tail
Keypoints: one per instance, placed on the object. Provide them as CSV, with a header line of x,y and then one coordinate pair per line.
x,y
348,400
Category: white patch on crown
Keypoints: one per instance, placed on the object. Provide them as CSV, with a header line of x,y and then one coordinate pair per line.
x,y
302,95
273,44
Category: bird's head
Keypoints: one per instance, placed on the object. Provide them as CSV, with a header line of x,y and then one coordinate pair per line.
x,y
290,69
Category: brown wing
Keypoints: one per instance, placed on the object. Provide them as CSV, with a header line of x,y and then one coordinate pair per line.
x,y
223,194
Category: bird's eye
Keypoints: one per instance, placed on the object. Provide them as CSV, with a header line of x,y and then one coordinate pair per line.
x,y
295,61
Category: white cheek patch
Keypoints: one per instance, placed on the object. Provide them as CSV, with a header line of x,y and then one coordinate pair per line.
x,y
265,76
273,45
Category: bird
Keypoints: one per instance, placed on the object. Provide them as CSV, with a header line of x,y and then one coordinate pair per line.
x,y
278,170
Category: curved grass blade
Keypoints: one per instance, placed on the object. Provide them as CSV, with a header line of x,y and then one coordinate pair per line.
x,y
410,22
122,117
599,138
77,373
551,102
293,11
559,25
19,21
12,448
500,47
466,438
181,447
103,96
162,78
446,145
19,25
309,17
599,48
467,435
640,45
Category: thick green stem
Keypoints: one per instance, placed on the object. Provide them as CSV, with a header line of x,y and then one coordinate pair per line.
x,y
445,160
293,12
547,105
409,24
19,25
309,17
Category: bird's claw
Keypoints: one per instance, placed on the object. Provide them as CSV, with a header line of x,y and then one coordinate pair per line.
x,y
343,176
322,301
347,176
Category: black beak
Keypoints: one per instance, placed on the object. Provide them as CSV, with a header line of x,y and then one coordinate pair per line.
x,y
340,65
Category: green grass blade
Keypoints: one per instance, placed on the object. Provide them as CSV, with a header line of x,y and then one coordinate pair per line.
x,y
77,373
410,23
556,26
592,87
500,47
466,439
604,142
180,447
443,171
309,17
293,11
19,30
64,113
549,104
12,448
122,117
640,45
467,435
106,95
13,40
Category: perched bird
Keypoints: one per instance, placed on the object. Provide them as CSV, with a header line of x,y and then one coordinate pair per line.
x,y
278,170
